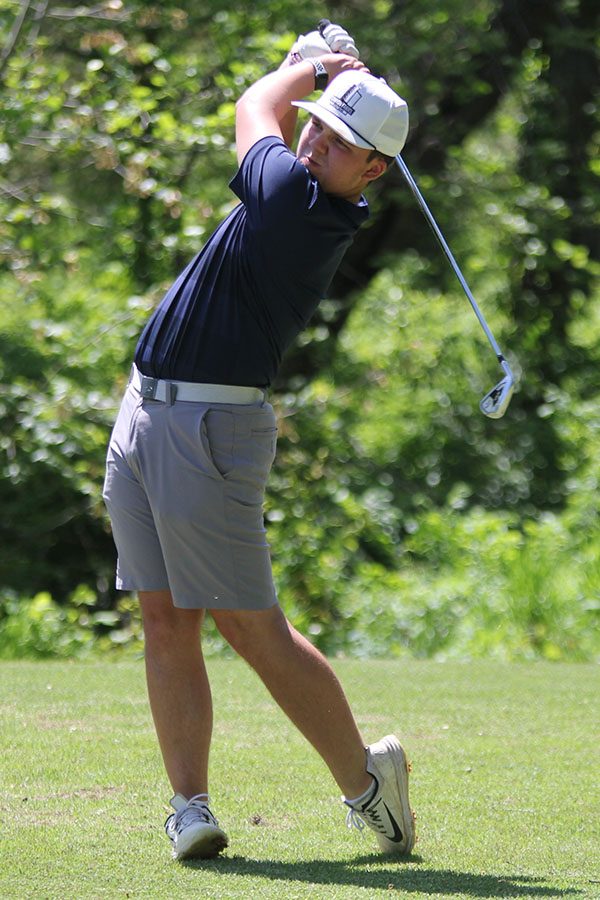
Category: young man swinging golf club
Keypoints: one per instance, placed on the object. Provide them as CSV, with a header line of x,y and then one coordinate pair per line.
x,y
195,437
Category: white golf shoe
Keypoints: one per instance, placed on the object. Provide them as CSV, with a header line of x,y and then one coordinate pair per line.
x,y
387,809
193,830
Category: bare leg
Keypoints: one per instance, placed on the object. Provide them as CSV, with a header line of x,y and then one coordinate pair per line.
x,y
304,685
178,690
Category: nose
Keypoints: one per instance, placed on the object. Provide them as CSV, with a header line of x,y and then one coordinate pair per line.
x,y
320,142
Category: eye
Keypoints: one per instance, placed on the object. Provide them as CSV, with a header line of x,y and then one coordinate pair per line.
x,y
316,123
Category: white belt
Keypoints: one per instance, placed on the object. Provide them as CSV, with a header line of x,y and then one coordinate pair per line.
x,y
169,391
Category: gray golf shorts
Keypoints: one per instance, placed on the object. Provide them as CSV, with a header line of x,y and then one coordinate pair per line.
x,y
184,489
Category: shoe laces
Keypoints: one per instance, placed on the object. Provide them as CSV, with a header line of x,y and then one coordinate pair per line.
x,y
356,818
196,809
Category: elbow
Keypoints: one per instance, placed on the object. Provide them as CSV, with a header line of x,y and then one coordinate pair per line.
x,y
240,103
247,111
240,107
248,102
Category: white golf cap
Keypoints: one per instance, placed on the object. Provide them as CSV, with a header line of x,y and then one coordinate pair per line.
x,y
364,110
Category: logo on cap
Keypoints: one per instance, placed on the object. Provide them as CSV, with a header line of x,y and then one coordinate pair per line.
x,y
346,104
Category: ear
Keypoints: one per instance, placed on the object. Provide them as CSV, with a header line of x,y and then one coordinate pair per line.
x,y
376,168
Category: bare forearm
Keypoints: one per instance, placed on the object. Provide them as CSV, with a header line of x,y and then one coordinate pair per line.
x,y
274,92
290,120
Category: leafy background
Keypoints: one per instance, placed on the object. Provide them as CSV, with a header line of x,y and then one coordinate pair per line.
x,y
401,520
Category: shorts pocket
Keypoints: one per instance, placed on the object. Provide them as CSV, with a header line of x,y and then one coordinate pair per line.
x,y
217,436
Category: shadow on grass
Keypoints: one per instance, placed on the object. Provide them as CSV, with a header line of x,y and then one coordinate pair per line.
x,y
373,872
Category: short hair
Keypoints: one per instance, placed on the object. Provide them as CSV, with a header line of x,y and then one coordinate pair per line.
x,y
375,154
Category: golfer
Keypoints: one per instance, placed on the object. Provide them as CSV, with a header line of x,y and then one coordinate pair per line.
x,y
195,437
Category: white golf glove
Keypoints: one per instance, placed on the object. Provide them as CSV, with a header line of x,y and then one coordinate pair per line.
x,y
334,39
339,41
309,45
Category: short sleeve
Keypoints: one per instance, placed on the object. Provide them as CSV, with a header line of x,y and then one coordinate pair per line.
x,y
273,185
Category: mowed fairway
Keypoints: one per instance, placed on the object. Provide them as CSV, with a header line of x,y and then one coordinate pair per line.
x,y
505,784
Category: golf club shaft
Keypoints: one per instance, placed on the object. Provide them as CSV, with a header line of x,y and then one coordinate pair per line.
x,y
440,237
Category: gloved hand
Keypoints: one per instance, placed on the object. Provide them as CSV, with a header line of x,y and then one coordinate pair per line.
x,y
309,45
331,39
338,40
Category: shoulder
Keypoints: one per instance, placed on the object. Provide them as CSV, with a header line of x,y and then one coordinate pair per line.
x,y
270,170
268,147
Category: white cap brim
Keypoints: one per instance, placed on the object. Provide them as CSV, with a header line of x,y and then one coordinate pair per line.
x,y
332,121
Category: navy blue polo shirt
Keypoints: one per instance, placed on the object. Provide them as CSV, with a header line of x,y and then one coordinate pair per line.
x,y
239,304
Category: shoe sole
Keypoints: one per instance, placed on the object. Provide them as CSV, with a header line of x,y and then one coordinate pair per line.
x,y
395,760
206,844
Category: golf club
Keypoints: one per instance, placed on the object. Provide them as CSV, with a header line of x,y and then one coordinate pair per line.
x,y
495,402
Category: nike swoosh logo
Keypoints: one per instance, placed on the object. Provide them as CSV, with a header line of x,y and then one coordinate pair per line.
x,y
397,836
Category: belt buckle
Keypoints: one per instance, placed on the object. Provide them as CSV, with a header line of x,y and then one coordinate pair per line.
x,y
148,387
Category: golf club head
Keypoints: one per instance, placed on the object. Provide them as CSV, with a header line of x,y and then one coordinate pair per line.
x,y
495,402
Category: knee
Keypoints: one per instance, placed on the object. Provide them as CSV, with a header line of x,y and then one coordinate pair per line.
x,y
233,629
166,626
249,633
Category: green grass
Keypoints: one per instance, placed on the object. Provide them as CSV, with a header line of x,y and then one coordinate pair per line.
x,y
505,784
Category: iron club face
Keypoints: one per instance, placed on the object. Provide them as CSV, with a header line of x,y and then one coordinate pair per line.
x,y
495,403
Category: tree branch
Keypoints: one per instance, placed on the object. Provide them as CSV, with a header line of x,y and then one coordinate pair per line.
x,y
14,35
38,17
84,12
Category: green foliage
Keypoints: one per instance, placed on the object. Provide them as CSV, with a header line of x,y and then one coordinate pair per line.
x,y
57,406
461,581
38,628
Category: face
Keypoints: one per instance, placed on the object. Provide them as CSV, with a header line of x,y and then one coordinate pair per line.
x,y
340,168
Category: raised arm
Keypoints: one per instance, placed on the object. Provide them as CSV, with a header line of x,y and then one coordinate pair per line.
x,y
264,108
